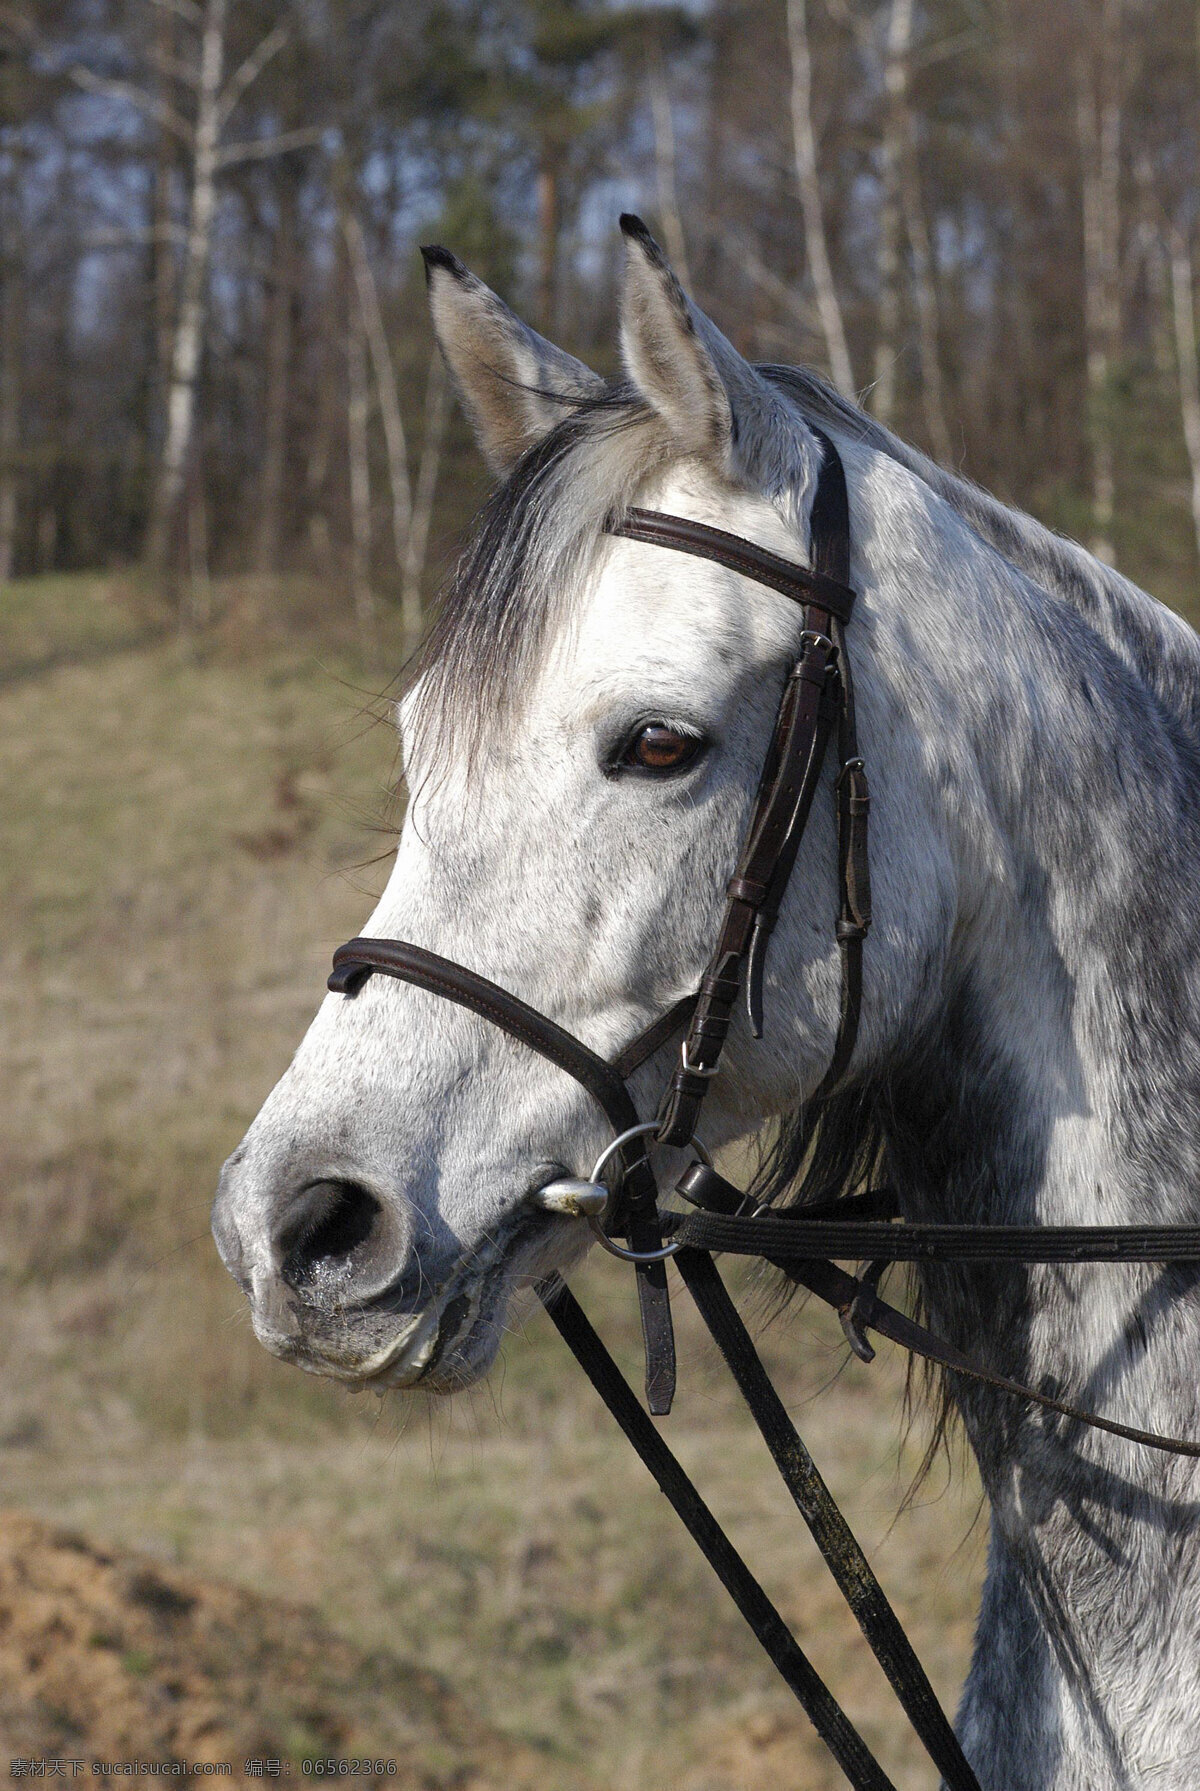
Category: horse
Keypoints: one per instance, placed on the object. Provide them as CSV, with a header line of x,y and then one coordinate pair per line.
x,y
582,736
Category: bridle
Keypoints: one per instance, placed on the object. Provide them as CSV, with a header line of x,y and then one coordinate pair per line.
x,y
804,1242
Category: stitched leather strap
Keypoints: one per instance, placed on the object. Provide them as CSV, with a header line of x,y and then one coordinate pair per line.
x,y
355,961
659,529
818,692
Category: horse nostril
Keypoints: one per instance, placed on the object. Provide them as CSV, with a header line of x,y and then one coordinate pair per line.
x,y
325,1225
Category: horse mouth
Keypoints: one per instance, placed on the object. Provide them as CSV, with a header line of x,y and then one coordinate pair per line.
x,y
449,1341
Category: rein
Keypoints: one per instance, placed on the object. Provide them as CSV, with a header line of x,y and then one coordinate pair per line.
x,y
805,1243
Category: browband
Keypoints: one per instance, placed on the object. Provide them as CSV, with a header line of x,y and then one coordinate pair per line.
x,y
659,529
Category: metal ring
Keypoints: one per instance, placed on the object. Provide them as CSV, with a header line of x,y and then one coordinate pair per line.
x,y
602,1237
647,1125
813,637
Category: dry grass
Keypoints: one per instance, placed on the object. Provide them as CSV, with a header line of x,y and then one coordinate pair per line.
x,y
176,837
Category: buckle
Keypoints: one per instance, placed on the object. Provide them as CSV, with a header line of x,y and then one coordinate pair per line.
x,y
852,1315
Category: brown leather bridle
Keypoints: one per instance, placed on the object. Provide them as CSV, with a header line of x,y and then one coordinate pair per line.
x,y
817,704
817,695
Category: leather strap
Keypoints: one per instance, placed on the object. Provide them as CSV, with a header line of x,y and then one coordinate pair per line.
x,y
718,1226
659,529
354,962
788,1658
832,1534
358,959
793,1233
660,1033
818,692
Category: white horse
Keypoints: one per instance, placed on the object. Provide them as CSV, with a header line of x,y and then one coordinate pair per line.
x,y
582,748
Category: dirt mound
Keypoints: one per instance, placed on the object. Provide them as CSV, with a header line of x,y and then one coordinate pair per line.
x,y
107,1656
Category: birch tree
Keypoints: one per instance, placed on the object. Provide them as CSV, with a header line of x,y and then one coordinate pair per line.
x,y
371,318
804,142
1098,113
1184,310
216,100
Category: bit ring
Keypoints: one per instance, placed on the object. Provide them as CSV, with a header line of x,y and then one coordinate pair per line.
x,y
602,1237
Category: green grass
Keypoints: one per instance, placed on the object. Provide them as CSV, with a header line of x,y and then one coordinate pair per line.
x,y
51,621
180,826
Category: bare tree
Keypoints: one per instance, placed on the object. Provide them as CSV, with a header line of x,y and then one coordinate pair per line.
x,y
188,339
665,165
12,329
371,316
279,350
895,83
1098,111
1184,308
807,175
925,292
216,99
357,416
436,412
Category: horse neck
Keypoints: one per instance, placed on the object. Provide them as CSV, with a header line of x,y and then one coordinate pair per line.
x,y
1059,1084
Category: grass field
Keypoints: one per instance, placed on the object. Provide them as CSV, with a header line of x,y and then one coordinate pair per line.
x,y
180,823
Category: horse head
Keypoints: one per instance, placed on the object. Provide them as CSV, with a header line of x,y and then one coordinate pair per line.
x,y
583,737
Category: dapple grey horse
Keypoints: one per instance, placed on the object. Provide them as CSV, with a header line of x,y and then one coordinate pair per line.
x,y
582,743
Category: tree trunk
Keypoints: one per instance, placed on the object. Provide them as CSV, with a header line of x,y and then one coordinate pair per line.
x,y
895,83
1184,308
12,320
925,290
199,595
386,389
268,543
436,413
188,345
665,167
1099,124
1155,257
816,246
357,406
548,225
162,248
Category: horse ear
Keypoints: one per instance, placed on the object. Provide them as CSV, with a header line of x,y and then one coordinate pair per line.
x,y
514,385
666,354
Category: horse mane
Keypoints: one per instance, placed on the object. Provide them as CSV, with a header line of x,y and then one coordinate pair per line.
x,y
1156,643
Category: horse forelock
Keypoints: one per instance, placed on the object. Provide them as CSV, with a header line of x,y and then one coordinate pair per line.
x,y
530,549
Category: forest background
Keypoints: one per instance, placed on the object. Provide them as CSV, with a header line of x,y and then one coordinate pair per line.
x,y
231,483
978,216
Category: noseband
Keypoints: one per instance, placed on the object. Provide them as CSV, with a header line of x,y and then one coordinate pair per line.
x,y
804,1242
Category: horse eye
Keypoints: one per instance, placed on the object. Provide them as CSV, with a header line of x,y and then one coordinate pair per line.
x,y
657,747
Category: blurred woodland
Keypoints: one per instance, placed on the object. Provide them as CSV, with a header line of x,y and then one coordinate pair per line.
x,y
977,215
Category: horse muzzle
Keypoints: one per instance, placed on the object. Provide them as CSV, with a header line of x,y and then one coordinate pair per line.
x,y
337,1287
